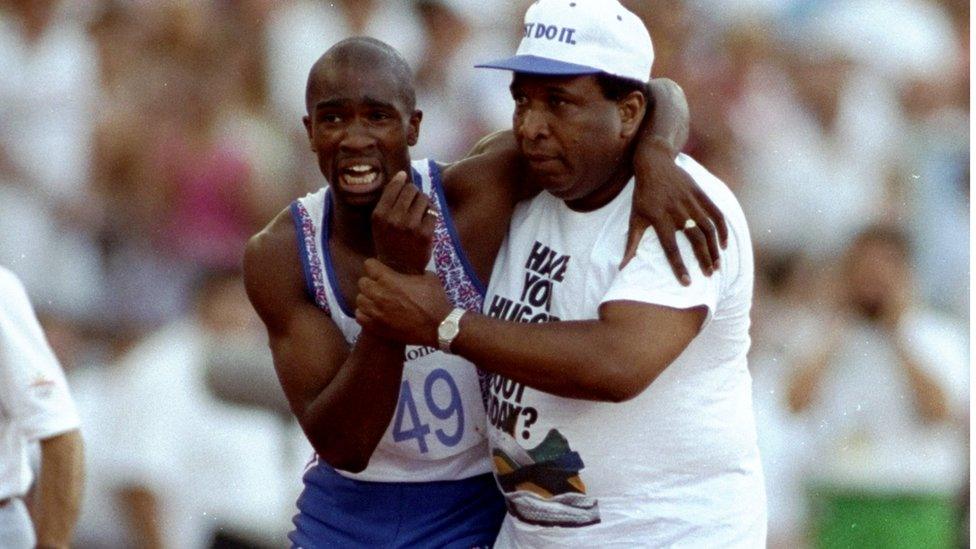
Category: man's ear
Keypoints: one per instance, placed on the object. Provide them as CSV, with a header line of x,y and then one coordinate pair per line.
x,y
413,127
308,130
632,109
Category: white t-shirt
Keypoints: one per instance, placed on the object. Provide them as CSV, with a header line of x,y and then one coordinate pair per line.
x,y
676,466
34,399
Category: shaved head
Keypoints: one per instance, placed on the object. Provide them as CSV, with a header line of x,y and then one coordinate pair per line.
x,y
362,118
362,54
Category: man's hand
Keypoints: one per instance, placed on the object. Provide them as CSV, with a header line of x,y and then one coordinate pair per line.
x,y
403,230
401,307
665,198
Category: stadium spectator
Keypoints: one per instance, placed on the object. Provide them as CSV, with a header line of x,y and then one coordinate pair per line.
x,y
816,141
47,96
778,321
194,466
455,38
246,120
883,387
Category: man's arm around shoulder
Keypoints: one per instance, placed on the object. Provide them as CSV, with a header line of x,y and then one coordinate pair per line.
x,y
612,358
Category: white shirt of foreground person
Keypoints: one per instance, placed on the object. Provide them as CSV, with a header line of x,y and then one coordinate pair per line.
x,y
34,399
677,466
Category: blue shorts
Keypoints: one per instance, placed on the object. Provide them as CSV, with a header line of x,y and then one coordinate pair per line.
x,y
335,511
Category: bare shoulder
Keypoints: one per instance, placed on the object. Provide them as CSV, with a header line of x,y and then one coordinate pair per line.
x,y
272,269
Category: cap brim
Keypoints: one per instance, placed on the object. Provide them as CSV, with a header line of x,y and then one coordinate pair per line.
x,y
532,64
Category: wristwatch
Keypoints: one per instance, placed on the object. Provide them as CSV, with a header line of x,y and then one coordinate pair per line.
x,y
449,328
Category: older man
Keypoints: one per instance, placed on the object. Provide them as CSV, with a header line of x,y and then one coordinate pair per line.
x,y
629,421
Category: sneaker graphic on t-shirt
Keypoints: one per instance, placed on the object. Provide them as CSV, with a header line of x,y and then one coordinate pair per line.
x,y
542,486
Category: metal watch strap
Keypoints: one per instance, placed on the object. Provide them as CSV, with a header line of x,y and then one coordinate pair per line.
x,y
454,318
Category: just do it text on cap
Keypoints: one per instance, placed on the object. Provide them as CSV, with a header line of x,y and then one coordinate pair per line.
x,y
576,37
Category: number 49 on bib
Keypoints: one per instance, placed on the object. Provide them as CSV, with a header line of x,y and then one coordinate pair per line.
x,y
415,428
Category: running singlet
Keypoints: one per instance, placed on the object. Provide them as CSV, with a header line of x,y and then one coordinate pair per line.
x,y
438,428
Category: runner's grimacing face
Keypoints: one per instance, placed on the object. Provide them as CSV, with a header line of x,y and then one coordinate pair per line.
x,y
567,131
361,131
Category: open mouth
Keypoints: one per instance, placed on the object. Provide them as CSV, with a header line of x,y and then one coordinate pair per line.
x,y
360,178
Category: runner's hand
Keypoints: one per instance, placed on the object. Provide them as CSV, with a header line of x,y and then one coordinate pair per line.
x,y
403,229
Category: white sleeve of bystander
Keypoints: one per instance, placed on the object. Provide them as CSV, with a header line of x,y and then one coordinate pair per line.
x,y
32,385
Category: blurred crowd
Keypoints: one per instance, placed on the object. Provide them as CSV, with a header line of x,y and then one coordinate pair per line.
x,y
142,142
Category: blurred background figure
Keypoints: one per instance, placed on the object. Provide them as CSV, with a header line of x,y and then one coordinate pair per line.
x,y
189,468
779,324
460,106
301,30
48,94
883,387
142,141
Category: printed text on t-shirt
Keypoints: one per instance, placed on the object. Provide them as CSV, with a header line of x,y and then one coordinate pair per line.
x,y
544,268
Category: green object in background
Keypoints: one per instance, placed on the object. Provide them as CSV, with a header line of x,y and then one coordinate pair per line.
x,y
855,520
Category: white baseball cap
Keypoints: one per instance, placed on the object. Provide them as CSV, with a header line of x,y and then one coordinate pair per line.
x,y
573,37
